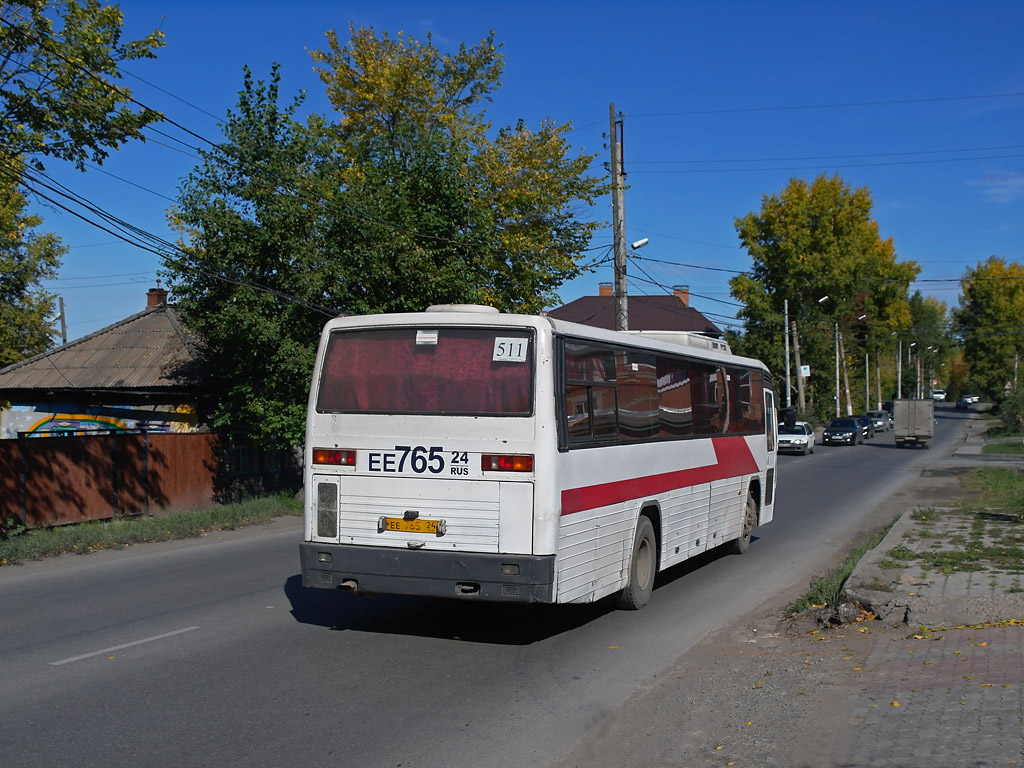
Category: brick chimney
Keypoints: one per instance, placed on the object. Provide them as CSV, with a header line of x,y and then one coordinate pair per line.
x,y
683,292
604,289
155,297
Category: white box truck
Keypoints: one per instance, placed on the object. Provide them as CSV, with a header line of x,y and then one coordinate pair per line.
x,y
914,422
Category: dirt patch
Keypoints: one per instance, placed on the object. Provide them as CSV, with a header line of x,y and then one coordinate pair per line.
x,y
771,692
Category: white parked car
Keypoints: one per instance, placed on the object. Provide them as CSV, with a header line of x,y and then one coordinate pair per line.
x,y
938,394
879,420
799,439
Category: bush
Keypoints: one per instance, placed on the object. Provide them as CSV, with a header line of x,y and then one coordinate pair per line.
x,y
1011,411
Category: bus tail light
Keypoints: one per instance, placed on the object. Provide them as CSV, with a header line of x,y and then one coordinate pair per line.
x,y
334,456
506,463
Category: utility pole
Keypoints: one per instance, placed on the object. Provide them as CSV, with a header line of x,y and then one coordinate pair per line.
x,y
867,384
618,219
878,380
836,335
899,370
846,377
800,401
63,322
785,328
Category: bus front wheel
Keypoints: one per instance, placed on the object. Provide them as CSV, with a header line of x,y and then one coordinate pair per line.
x,y
643,566
740,545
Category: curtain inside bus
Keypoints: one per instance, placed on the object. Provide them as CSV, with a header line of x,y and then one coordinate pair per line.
x,y
450,371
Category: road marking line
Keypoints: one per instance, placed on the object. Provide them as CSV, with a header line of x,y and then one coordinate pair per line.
x,y
125,645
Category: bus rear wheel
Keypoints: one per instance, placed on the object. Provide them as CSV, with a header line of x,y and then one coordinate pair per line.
x,y
643,567
740,545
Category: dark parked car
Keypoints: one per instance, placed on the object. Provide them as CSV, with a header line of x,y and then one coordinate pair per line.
x,y
842,431
865,425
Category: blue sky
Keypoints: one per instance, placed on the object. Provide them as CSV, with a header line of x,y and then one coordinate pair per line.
x,y
723,102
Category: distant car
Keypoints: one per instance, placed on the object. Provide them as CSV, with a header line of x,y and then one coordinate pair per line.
x,y
798,439
963,403
888,407
972,398
879,420
938,395
842,431
865,425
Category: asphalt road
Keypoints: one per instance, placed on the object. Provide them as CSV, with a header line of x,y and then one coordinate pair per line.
x,y
211,652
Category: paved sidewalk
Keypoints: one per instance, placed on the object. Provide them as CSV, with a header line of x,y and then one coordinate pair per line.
x,y
952,697
944,682
936,682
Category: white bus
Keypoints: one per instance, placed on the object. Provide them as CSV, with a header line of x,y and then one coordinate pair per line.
x,y
461,452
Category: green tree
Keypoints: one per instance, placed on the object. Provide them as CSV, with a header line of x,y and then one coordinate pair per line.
x,y
933,345
812,241
253,273
59,73
988,321
396,202
27,257
404,106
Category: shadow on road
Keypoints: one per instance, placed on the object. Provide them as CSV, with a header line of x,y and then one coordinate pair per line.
x,y
473,622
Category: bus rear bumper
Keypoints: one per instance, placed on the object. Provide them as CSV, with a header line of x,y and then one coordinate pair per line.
x,y
466,575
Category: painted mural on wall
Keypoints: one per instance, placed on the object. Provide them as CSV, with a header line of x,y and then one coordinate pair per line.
x,y
41,423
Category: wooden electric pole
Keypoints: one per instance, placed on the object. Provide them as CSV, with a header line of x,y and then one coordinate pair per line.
x,y
801,402
618,219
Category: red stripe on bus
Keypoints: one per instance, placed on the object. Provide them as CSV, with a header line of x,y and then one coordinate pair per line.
x,y
733,459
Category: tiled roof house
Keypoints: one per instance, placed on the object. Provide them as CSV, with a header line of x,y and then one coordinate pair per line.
x,y
645,313
143,362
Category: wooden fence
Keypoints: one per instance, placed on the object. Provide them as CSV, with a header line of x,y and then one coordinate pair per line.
x,y
60,480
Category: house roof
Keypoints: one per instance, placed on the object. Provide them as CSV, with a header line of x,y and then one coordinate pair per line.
x,y
142,356
645,313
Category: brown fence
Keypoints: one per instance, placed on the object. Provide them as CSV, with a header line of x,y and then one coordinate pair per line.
x,y
58,480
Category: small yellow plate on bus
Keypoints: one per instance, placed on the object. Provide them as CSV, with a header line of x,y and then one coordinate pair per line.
x,y
419,525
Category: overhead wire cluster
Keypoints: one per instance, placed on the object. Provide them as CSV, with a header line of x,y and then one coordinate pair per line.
x,y
64,198
170,253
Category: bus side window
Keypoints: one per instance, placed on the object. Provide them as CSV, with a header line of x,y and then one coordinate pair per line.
x,y
675,401
590,392
746,400
637,394
577,411
706,391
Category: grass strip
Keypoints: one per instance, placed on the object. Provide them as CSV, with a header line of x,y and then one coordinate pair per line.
x,y
1003,448
17,546
825,590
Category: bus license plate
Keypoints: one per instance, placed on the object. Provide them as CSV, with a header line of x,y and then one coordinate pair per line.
x,y
419,525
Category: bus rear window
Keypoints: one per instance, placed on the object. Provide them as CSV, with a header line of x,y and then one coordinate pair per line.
x,y
447,371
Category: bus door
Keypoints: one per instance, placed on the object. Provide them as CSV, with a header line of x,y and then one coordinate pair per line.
x,y
771,435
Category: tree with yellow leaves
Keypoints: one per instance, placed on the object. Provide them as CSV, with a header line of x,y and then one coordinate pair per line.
x,y
60,94
812,241
27,257
402,197
504,230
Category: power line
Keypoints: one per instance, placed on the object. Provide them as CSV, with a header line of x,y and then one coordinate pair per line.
x,y
855,279
828,157
834,105
838,165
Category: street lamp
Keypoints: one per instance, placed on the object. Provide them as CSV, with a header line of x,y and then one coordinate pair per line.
x,y
621,307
